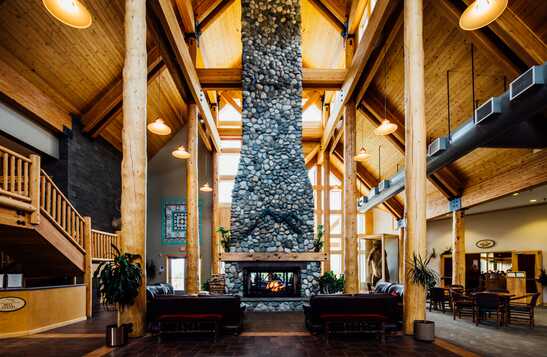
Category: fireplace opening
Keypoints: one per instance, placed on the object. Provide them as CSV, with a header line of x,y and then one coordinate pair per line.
x,y
271,282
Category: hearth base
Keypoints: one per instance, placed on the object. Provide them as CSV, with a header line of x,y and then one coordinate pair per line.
x,y
274,304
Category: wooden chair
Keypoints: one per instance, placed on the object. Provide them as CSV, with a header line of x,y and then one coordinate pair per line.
x,y
438,299
521,310
485,305
461,304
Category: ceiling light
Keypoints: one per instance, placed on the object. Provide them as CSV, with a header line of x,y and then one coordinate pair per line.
x,y
206,188
362,155
181,153
533,200
159,127
385,128
481,13
69,12
515,194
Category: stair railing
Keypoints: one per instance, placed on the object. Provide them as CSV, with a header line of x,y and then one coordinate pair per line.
x,y
102,244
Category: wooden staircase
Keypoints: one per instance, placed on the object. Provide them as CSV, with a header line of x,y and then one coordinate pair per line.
x,y
40,228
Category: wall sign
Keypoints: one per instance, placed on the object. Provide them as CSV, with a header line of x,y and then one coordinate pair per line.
x,y
10,304
485,243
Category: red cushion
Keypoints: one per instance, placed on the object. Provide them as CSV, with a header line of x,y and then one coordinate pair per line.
x,y
352,317
175,317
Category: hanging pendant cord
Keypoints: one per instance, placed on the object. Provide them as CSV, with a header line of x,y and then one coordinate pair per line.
x,y
385,86
448,103
379,163
473,78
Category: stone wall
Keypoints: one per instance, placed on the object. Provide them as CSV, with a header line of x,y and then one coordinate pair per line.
x,y
272,206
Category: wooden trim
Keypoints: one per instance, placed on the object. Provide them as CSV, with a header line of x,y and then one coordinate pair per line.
x,y
42,329
88,269
275,256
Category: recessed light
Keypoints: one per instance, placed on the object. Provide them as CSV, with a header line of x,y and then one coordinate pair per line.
x,y
515,194
533,200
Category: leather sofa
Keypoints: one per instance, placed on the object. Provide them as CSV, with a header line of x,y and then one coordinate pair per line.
x,y
171,307
362,306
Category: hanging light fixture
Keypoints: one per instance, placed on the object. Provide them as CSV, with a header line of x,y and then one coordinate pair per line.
x,y
386,127
70,12
181,153
158,126
481,13
362,155
206,187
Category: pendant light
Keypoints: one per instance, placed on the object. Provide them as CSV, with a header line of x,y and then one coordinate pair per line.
x,y
481,13
206,187
158,126
70,12
386,127
363,154
181,153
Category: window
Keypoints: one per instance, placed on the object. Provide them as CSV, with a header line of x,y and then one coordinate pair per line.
x,y
336,264
225,188
228,164
175,272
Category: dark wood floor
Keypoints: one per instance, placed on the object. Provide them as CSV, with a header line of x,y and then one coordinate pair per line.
x,y
266,334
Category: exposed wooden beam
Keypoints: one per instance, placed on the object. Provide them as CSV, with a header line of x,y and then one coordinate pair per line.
x,y
214,14
378,61
364,49
527,171
109,103
230,78
516,34
356,12
166,15
313,99
479,38
330,15
230,100
204,7
24,95
312,154
186,13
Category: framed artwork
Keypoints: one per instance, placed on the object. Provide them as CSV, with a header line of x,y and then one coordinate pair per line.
x,y
173,221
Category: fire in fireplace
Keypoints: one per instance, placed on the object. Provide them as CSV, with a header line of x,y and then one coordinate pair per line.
x,y
271,282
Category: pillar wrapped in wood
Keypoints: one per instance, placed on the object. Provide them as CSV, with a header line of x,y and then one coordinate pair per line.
x,y
191,283
415,157
458,248
133,202
326,210
215,244
351,266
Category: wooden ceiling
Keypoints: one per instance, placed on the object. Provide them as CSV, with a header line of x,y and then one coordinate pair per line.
x,y
77,67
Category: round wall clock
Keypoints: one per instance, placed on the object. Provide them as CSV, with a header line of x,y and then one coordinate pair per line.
x,y
485,243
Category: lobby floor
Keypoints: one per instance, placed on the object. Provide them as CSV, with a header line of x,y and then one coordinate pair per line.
x,y
266,334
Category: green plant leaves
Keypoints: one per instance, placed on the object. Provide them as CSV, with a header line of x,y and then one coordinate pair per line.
x,y
420,273
329,283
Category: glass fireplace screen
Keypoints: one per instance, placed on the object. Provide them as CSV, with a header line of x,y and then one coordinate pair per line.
x,y
271,283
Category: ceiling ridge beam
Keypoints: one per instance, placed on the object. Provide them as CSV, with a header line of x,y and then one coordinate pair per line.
x,y
329,15
165,12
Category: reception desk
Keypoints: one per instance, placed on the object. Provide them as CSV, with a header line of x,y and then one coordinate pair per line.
x,y
26,311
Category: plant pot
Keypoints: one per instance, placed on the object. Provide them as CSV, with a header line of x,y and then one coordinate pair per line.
x,y
116,336
424,330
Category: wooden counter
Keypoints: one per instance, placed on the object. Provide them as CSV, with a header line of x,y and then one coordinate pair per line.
x,y
36,310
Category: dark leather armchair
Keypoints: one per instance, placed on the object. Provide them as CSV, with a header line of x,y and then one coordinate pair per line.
x,y
485,305
518,309
438,299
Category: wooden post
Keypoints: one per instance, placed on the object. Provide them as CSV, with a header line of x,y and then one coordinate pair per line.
x,y
401,256
133,202
215,245
191,283
88,268
458,248
34,188
415,156
351,266
326,210
319,196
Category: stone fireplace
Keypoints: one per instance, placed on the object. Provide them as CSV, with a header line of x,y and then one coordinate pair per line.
x,y
272,199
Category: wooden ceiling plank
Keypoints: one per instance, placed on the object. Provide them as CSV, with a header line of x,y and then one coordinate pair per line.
x,y
390,38
214,14
230,78
452,14
168,20
330,15
109,103
364,49
25,95
356,12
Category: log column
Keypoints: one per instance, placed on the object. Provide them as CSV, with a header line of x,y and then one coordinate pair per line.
x,y
133,202
415,156
191,283
351,266
401,256
88,268
215,245
458,248
326,209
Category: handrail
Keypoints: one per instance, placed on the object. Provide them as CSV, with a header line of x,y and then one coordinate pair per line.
x,y
101,243
14,175
59,210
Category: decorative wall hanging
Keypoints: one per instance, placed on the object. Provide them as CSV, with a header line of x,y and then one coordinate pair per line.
x,y
173,221
485,243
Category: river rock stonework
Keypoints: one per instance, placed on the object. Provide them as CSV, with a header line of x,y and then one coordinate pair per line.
x,y
272,199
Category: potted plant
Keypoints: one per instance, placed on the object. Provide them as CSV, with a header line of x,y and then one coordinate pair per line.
x,y
119,282
226,235
329,283
421,274
318,242
542,278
